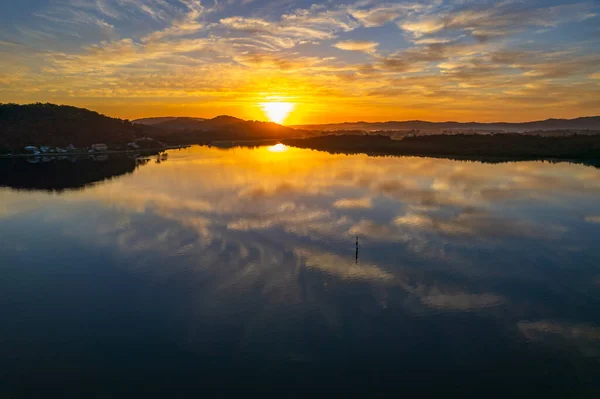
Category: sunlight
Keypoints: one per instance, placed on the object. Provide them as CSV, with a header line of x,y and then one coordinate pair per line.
x,y
278,148
277,111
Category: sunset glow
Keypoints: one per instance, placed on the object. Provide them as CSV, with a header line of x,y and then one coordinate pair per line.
x,y
339,61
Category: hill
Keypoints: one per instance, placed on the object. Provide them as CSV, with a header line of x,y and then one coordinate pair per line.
x,y
60,125
223,127
584,123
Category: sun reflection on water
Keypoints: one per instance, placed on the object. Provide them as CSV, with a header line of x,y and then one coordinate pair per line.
x,y
278,148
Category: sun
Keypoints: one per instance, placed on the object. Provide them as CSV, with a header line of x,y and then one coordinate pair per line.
x,y
277,111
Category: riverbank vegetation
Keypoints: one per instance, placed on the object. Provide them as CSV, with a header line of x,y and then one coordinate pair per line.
x,y
460,145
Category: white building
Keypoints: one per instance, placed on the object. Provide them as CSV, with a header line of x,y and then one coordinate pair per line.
x,y
31,150
99,147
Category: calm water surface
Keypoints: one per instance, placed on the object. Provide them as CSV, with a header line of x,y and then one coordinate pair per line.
x,y
235,271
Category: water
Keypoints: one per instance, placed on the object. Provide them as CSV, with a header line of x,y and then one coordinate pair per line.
x,y
235,271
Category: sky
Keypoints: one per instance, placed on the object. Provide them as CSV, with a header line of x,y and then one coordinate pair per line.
x,y
330,61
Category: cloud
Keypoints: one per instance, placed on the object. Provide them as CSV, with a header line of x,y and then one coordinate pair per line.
x,y
380,15
182,26
374,231
584,337
456,300
269,61
357,45
479,224
283,219
422,27
302,25
593,219
123,52
496,19
107,9
351,203
569,331
343,267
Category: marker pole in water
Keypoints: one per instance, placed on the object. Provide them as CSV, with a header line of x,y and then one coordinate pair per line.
x,y
357,250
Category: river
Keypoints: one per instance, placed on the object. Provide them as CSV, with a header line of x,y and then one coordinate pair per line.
x,y
292,273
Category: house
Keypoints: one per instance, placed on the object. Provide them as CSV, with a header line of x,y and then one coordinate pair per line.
x,y
99,147
31,150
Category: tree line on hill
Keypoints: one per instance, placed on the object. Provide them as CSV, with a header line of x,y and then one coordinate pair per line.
x,y
49,124
460,145
584,123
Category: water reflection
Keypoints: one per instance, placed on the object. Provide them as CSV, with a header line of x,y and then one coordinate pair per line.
x,y
278,148
58,173
253,251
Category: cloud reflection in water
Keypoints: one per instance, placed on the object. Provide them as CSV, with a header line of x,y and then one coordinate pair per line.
x,y
435,234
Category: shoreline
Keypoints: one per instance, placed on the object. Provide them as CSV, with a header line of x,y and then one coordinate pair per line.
x,y
82,153
465,147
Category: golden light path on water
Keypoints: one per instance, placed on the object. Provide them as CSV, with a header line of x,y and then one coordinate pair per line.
x,y
278,148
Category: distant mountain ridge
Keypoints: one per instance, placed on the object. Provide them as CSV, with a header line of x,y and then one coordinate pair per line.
x,y
222,127
583,123
156,121
191,123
